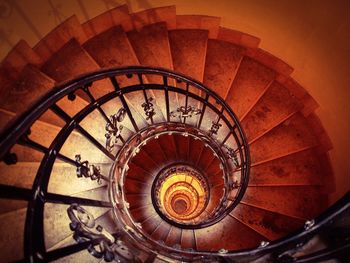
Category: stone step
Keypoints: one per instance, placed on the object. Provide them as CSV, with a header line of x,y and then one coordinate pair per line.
x,y
30,86
59,36
112,48
307,201
221,64
210,23
269,224
118,16
293,135
229,234
188,239
161,232
251,81
150,224
12,235
238,38
154,15
302,168
186,59
174,237
274,106
77,61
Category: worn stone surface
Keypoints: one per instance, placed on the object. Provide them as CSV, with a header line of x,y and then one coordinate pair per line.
x,y
290,136
77,61
249,84
302,168
113,17
186,59
221,64
150,16
274,106
59,36
210,23
305,202
238,38
269,224
225,236
12,238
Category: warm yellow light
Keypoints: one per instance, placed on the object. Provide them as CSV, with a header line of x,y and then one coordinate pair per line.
x,y
182,196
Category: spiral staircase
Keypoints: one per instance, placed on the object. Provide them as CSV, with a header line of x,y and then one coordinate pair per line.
x,y
107,124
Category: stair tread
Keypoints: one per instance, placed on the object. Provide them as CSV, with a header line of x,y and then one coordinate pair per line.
x,y
181,143
297,201
238,38
6,118
270,61
155,151
141,201
229,234
222,62
269,224
113,17
251,81
210,23
151,45
168,145
292,135
10,205
20,56
186,59
133,186
174,236
151,223
141,213
161,232
188,239
309,103
12,235
143,160
30,86
59,36
63,180
302,168
111,48
275,105
154,15
76,62
137,172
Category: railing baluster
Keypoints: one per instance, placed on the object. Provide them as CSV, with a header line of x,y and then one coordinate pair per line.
x,y
13,192
203,111
148,107
166,92
186,101
124,103
66,199
34,145
61,113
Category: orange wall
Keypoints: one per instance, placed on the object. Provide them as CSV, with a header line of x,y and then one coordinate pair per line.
x,y
312,36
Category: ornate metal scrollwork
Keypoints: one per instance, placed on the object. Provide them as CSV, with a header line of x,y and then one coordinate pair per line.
x,y
214,128
88,171
148,108
232,155
185,112
103,244
113,130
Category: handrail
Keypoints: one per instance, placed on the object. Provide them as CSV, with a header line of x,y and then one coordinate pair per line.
x,y
18,133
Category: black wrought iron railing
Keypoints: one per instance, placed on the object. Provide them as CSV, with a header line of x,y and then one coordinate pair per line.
x,y
137,104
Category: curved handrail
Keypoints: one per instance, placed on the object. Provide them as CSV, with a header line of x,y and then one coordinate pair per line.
x,y
18,130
